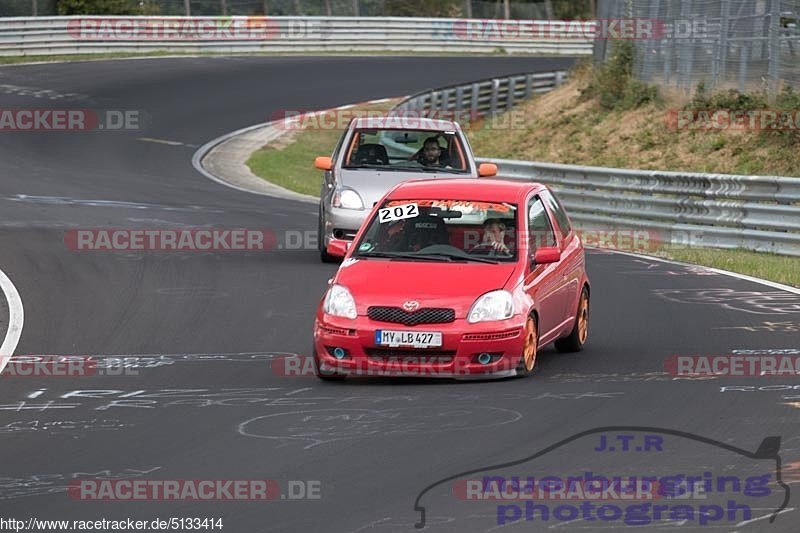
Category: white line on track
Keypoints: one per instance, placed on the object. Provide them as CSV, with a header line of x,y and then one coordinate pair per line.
x,y
744,277
16,318
165,141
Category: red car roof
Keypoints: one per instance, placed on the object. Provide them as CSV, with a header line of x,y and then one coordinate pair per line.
x,y
487,190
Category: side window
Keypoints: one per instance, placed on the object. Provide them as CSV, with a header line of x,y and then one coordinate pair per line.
x,y
540,232
558,212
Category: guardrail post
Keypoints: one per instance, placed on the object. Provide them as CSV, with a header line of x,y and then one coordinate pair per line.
x,y
528,86
685,73
473,98
742,65
35,8
493,99
559,78
459,98
647,68
774,47
512,84
725,15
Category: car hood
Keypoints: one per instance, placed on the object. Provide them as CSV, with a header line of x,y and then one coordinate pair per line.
x,y
371,184
432,284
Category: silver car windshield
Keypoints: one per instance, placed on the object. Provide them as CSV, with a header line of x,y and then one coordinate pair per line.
x,y
406,150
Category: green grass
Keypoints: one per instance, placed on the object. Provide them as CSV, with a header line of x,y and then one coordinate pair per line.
x,y
15,60
779,268
292,166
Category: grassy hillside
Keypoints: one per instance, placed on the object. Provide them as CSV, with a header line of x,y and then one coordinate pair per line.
x,y
589,121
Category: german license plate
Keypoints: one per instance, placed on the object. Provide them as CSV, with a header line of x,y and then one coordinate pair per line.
x,y
416,339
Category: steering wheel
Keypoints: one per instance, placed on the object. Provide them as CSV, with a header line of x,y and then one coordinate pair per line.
x,y
492,251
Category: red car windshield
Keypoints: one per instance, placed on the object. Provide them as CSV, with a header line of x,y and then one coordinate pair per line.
x,y
444,229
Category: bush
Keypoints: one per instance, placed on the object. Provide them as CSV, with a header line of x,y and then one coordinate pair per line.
x,y
613,83
731,100
789,101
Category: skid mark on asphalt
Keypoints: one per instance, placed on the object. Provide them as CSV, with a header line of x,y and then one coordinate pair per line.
x,y
755,302
768,326
323,426
65,200
63,426
37,92
167,142
668,269
55,483
140,361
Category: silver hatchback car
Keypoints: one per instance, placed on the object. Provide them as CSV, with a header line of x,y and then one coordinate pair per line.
x,y
372,156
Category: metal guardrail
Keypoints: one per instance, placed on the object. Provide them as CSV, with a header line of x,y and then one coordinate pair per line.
x,y
63,35
760,213
485,97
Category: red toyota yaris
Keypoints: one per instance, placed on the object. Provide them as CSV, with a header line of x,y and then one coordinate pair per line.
x,y
454,278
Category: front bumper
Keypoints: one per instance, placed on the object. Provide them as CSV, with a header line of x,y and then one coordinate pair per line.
x,y
343,223
457,357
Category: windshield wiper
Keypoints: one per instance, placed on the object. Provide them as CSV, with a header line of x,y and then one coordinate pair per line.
x,y
440,169
404,255
373,167
465,257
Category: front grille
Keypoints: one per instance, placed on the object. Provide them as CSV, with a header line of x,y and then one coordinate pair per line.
x,y
426,315
412,356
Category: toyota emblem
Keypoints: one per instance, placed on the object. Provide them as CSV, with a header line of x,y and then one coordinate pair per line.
x,y
411,306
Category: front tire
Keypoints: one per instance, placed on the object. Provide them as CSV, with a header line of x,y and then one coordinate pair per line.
x,y
575,341
530,348
323,252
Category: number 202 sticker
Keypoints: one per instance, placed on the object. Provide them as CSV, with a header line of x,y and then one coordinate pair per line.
x,y
398,212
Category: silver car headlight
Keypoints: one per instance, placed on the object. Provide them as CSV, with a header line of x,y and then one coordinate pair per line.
x,y
495,305
347,199
339,302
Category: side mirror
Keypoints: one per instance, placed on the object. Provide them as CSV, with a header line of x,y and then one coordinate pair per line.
x,y
549,254
323,163
337,247
486,170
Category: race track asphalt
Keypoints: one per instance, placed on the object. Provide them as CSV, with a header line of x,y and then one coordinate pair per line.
x,y
205,398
